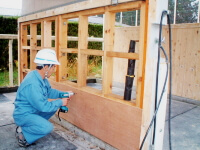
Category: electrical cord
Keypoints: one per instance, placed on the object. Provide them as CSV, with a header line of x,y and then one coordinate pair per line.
x,y
157,71
164,85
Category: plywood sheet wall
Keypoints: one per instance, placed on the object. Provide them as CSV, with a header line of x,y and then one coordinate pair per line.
x,y
123,35
186,57
116,123
186,60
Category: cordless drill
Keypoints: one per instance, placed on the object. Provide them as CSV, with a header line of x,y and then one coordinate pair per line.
x,y
64,109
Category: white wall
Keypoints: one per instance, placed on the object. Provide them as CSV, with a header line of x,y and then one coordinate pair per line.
x,y
32,6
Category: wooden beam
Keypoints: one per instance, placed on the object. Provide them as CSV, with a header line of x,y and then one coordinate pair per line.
x,y
9,36
33,43
69,50
108,46
82,44
122,55
92,52
125,7
26,70
73,8
26,47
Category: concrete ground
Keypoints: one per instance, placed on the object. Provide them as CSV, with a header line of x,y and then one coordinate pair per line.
x,y
185,130
59,139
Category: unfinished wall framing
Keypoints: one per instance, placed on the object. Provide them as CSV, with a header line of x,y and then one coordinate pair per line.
x,y
99,112
61,49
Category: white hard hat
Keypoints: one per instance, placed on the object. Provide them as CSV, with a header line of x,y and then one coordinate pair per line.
x,y
46,56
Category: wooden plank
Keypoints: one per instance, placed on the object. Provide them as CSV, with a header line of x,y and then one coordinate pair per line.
x,y
57,45
92,52
71,8
19,50
120,99
142,55
108,46
150,12
90,12
10,62
99,116
126,7
63,27
42,34
82,44
26,70
47,34
23,58
123,35
184,26
69,50
8,36
122,55
33,43
26,47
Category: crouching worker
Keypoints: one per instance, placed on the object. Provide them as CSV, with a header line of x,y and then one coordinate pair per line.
x,y
32,108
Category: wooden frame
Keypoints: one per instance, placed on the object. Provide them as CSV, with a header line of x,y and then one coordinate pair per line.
x,y
108,54
94,111
82,51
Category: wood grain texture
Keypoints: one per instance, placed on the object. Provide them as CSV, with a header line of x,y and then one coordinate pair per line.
x,y
185,59
115,123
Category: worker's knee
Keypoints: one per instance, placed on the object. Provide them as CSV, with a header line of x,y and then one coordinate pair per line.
x,y
47,128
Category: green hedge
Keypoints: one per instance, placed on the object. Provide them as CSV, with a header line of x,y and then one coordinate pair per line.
x,y
9,26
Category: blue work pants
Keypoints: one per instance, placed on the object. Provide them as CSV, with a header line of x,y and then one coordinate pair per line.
x,y
34,126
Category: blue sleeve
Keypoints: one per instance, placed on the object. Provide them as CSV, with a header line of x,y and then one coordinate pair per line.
x,y
37,97
52,93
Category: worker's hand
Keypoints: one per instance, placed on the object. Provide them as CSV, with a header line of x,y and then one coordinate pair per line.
x,y
69,92
65,101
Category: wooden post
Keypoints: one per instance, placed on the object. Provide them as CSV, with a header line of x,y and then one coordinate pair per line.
x,y
63,26
42,34
10,63
153,10
108,46
33,42
23,59
57,40
142,59
47,34
82,44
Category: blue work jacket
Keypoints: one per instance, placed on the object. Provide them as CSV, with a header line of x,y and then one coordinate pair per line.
x,y
32,96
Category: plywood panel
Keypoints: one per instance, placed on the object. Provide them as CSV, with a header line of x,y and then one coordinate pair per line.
x,y
123,35
186,57
186,60
115,123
